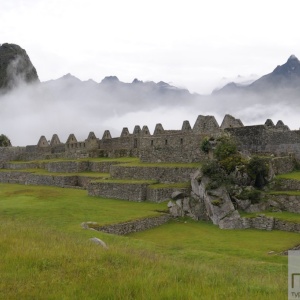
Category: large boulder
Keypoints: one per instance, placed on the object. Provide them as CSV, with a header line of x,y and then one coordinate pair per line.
x,y
217,202
15,67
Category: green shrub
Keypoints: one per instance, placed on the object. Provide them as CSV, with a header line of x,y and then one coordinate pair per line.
x,y
258,169
211,168
226,147
230,163
206,145
254,196
4,141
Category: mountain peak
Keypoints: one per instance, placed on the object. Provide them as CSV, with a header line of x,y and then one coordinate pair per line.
x,y
110,79
135,81
293,58
15,66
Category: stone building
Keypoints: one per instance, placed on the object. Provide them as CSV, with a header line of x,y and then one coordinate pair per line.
x,y
167,145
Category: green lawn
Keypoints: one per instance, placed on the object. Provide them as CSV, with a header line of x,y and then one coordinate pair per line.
x,y
46,255
293,175
65,209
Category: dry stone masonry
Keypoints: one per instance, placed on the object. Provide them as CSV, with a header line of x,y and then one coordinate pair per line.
x,y
165,145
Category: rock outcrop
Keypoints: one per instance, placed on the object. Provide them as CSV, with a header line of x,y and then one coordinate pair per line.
x,y
15,67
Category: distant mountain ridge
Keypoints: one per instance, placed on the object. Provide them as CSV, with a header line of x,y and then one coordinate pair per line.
x,y
137,89
286,76
15,67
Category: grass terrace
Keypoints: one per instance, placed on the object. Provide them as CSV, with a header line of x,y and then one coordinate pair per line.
x,y
162,165
97,159
293,175
288,193
178,185
126,181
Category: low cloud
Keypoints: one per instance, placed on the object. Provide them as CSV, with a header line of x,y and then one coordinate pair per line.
x,y
67,105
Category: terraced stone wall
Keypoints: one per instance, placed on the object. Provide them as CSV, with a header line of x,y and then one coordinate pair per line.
x,y
162,174
135,226
67,166
288,203
162,194
287,185
37,179
282,165
128,191
270,223
23,166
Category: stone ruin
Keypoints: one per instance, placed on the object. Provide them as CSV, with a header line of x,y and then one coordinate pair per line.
x,y
182,146
167,145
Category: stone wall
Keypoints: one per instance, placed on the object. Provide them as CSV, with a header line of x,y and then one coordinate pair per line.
x,y
11,153
286,226
162,194
282,165
287,184
135,226
124,191
169,145
68,166
263,222
260,222
23,166
268,140
60,181
13,177
84,181
162,174
172,147
288,203
63,166
37,179
101,167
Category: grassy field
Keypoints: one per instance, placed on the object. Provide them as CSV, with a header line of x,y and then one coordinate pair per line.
x,y
46,255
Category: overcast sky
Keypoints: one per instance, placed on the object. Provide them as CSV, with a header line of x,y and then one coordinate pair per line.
x,y
191,43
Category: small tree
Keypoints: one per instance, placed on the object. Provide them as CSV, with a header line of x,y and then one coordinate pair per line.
x,y
4,141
